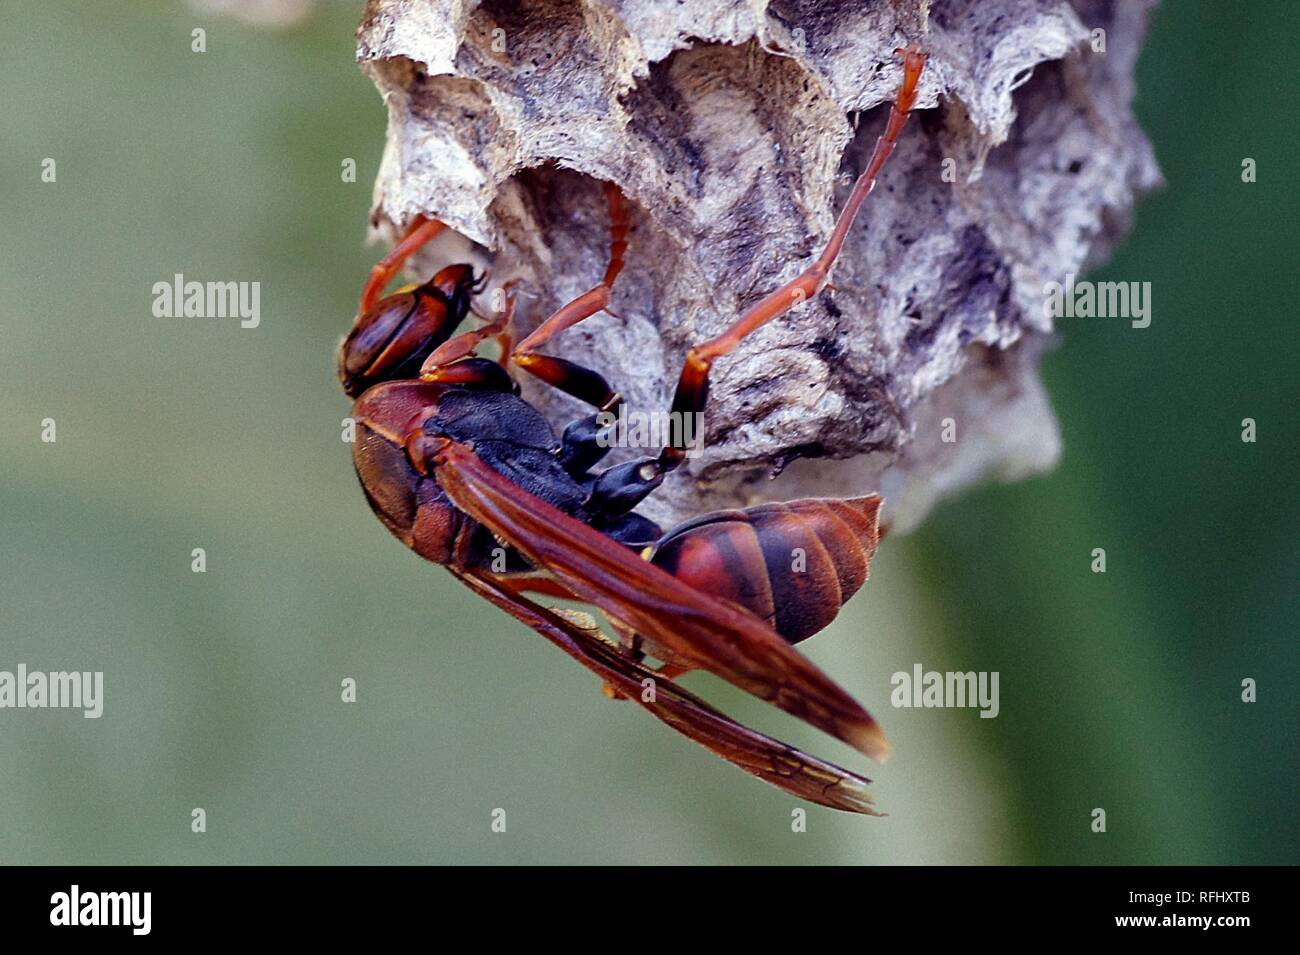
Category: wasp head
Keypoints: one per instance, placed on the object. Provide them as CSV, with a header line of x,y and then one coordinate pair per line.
x,y
393,338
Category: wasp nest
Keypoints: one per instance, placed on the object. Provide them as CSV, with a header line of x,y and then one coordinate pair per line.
x,y
735,129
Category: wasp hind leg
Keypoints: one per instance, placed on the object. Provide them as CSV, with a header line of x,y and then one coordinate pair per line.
x,y
693,384
621,488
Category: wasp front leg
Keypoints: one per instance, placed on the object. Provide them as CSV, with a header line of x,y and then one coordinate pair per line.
x,y
420,233
454,362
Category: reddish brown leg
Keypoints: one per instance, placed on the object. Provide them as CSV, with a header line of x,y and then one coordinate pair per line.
x,y
420,233
533,584
505,344
453,362
693,385
582,383
518,586
671,671
629,644
464,344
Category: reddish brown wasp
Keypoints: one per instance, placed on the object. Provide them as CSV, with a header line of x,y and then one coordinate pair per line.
x,y
466,473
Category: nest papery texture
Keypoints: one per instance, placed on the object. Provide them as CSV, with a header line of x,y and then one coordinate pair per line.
x,y
735,129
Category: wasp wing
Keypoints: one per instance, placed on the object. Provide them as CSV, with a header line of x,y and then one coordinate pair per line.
x,y
772,761
712,634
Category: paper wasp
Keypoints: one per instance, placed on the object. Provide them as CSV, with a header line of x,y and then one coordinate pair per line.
x,y
468,474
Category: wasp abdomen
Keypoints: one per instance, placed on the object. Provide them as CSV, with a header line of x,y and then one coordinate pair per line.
x,y
793,565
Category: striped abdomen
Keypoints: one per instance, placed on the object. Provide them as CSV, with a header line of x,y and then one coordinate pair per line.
x,y
793,565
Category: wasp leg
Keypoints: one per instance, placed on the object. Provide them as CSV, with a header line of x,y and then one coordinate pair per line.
x,y
476,374
454,363
621,488
539,582
534,582
629,644
693,385
671,671
583,383
420,233
582,445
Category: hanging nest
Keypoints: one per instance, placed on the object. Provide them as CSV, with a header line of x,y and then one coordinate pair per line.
x,y
735,130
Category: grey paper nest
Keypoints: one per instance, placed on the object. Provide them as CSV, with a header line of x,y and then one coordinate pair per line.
x,y
735,128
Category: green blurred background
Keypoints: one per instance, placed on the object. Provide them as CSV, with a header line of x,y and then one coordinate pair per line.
x,y
1119,691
